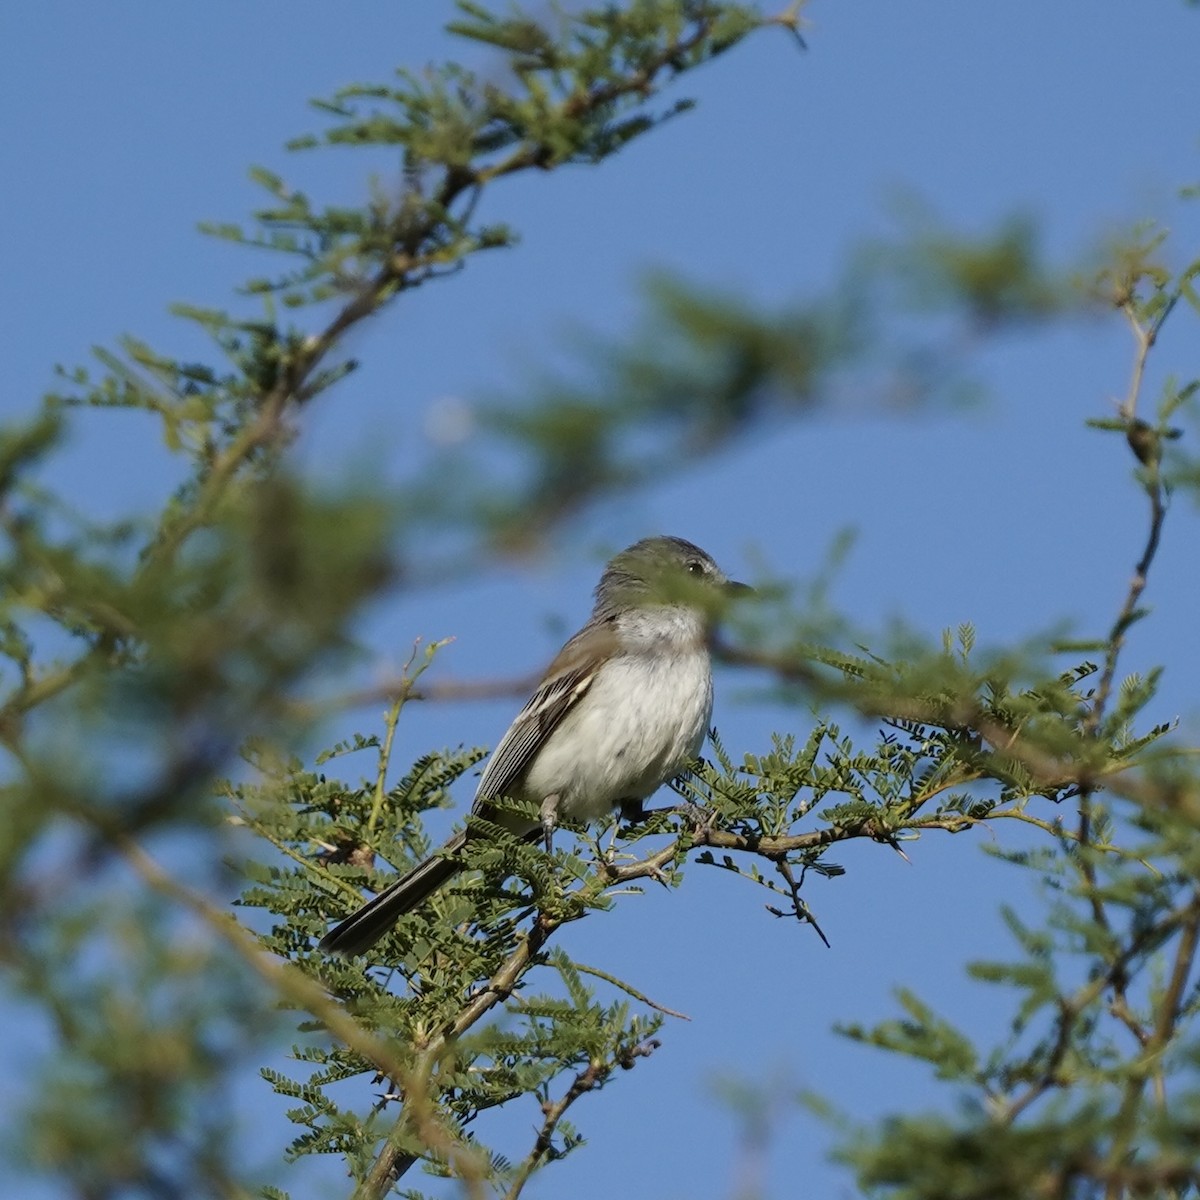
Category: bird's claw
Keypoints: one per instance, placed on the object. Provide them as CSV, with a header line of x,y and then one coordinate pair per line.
x,y
695,814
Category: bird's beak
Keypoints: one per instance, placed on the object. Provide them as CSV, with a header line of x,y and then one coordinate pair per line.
x,y
732,588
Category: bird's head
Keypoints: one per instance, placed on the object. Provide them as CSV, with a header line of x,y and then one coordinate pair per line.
x,y
665,572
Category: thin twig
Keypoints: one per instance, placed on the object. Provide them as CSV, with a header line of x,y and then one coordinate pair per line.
x,y
1169,1005
392,718
1144,339
591,1077
800,909
628,989
389,690
1071,1008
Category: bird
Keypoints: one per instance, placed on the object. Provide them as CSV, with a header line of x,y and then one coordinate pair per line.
x,y
623,707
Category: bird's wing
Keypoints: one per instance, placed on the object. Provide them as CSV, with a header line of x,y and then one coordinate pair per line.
x,y
566,681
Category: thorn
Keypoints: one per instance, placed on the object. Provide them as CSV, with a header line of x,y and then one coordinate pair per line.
x,y
820,932
873,831
791,20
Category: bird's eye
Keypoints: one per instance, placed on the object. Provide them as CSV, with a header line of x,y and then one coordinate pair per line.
x,y
695,567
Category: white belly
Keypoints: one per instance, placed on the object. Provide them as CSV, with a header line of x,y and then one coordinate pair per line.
x,y
641,722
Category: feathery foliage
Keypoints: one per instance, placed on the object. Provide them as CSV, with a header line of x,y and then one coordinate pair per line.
x,y
163,674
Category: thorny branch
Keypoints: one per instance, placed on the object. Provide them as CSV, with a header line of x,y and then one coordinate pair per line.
x,y
392,1162
1185,919
1168,1010
800,909
1144,339
591,1077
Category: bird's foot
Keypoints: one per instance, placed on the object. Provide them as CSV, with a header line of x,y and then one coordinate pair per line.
x,y
633,811
695,815
549,815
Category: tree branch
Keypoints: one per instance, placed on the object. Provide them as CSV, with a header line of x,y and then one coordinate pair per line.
x,y
592,1077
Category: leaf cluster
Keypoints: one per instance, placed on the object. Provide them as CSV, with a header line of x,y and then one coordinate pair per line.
x,y
1092,1086
430,983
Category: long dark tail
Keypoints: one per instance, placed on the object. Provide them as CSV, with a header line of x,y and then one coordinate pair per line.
x,y
364,927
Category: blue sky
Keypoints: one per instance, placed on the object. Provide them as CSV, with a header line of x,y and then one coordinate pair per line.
x,y
128,123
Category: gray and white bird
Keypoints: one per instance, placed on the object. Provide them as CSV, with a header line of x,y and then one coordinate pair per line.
x,y
624,707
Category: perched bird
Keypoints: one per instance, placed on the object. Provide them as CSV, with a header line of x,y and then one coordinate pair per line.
x,y
624,707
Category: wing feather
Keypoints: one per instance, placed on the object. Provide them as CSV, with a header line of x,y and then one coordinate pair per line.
x,y
565,683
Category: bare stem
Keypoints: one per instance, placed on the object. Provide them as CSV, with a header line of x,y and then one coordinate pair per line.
x,y
391,719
